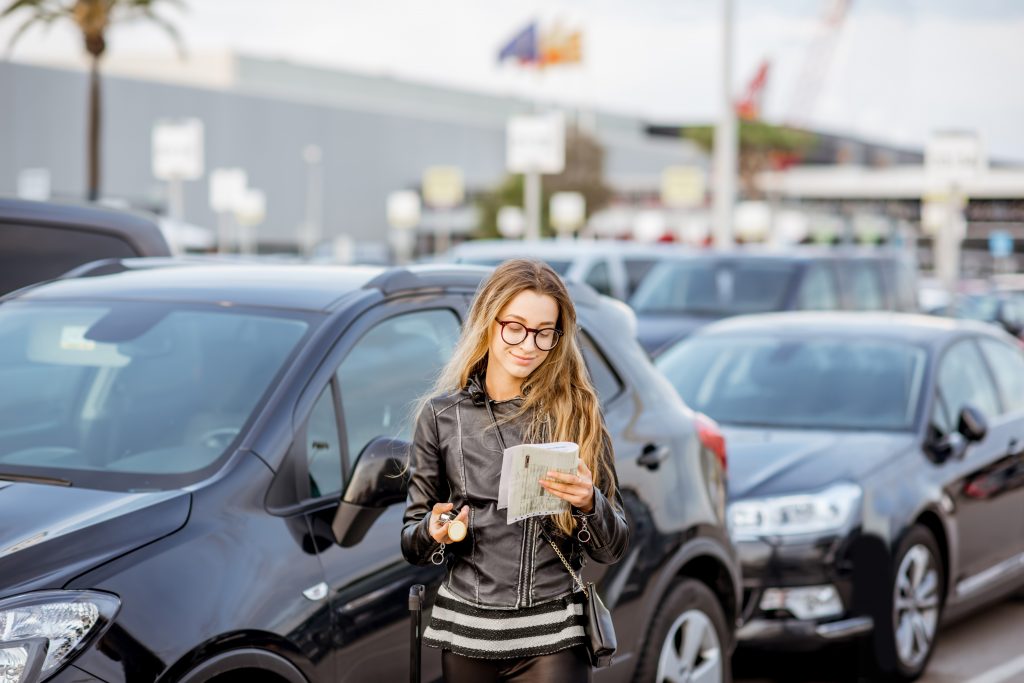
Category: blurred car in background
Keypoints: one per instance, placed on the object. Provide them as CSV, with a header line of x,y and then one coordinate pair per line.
x,y
43,240
1001,307
876,472
689,290
200,473
612,267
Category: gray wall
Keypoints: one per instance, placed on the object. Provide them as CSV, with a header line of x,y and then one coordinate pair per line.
x,y
368,151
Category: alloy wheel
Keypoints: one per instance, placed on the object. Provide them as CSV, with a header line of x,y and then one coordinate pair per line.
x,y
691,652
915,606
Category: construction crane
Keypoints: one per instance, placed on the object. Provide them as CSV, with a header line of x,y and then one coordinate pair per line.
x,y
816,63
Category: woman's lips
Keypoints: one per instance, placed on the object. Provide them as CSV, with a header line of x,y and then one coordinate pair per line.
x,y
521,360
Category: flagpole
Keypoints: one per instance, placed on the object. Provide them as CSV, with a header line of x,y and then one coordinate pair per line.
x,y
725,142
532,189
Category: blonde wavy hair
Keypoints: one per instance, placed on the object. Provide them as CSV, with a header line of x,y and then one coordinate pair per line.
x,y
559,394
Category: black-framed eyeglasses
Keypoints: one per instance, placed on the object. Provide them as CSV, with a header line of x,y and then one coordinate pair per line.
x,y
514,333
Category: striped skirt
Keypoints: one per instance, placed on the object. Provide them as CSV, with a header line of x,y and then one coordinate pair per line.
x,y
465,629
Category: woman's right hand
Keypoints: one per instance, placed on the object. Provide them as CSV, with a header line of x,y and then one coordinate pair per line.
x,y
439,529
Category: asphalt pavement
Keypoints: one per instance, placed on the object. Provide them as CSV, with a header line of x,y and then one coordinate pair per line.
x,y
987,647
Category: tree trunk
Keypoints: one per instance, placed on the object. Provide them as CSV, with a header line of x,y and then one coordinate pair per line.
x,y
94,131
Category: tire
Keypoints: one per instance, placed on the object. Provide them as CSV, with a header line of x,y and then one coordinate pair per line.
x,y
905,634
688,640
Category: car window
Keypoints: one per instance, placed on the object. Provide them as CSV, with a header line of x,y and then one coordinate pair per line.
x,y
1007,365
636,271
818,289
865,286
804,383
323,446
905,289
964,379
714,287
598,278
33,253
606,382
389,368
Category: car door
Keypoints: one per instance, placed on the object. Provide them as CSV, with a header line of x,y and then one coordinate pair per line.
x,y
385,363
984,538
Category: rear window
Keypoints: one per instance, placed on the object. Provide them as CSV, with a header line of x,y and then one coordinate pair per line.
x,y
33,253
715,287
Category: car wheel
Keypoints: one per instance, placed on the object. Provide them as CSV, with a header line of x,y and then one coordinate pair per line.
x,y
905,638
687,641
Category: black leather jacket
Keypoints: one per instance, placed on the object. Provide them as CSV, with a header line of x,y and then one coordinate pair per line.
x,y
457,458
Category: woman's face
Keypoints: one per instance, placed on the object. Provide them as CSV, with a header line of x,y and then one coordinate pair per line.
x,y
533,310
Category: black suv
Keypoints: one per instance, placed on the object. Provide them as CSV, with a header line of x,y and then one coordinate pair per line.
x,y
43,240
197,468
691,289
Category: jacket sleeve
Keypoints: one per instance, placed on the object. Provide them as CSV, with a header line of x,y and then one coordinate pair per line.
x,y
609,531
427,485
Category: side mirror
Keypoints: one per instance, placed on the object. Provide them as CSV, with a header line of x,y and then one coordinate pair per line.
x,y
380,479
972,424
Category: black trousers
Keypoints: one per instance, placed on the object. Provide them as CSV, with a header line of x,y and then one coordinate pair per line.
x,y
565,666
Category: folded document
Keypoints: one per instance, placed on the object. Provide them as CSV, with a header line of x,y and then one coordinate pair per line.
x,y
522,468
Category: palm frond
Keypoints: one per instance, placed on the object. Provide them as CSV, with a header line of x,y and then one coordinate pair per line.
x,y
168,27
44,18
38,5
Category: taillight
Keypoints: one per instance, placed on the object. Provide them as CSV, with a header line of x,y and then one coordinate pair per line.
x,y
711,436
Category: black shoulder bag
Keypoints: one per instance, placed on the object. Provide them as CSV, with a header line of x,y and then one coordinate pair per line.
x,y
597,624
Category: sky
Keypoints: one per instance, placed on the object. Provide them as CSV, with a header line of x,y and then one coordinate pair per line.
x,y
894,71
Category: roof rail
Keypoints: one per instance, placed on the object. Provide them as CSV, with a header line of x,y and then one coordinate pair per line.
x,y
404,278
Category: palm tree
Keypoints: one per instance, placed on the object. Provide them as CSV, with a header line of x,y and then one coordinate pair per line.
x,y
93,18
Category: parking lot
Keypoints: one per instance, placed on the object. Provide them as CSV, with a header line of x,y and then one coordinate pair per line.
x,y
984,648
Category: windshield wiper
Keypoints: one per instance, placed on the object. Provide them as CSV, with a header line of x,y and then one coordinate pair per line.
x,y
34,479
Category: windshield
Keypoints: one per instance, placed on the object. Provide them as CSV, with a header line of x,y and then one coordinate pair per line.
x,y
784,382
131,395
560,267
714,287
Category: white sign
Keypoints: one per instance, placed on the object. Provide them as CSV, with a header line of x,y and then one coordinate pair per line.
x,y
34,183
252,208
443,187
227,188
178,150
535,144
403,210
511,222
951,158
568,210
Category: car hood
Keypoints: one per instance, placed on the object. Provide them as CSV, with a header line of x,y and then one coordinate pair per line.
x,y
656,331
771,462
50,534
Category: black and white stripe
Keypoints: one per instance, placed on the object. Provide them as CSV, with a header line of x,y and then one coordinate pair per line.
x,y
471,631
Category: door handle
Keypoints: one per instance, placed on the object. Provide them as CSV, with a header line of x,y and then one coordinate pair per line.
x,y
652,455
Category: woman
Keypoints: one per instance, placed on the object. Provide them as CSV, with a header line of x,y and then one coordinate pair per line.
x,y
507,609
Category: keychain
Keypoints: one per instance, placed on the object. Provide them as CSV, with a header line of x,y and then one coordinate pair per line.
x,y
456,527
583,534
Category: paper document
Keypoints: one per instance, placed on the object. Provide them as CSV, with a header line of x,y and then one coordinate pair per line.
x,y
522,468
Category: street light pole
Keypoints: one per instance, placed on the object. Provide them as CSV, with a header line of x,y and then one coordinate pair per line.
x,y
725,141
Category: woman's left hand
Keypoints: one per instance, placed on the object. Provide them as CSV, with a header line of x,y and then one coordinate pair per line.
x,y
577,488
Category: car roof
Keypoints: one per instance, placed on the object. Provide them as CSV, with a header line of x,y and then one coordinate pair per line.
x,y
797,254
295,286
914,328
139,229
558,248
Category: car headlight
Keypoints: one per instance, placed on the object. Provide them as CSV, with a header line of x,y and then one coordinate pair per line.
x,y
827,510
41,631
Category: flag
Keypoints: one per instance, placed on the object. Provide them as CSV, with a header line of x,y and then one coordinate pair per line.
x,y
523,46
561,47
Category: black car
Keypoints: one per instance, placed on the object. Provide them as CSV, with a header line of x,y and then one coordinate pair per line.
x,y
43,240
876,472
198,469
692,289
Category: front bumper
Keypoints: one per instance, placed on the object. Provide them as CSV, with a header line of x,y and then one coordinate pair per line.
x,y
826,561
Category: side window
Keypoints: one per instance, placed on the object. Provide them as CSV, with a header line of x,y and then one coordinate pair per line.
x,y
606,382
818,290
865,285
388,370
599,279
1008,366
32,253
964,379
323,446
636,270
